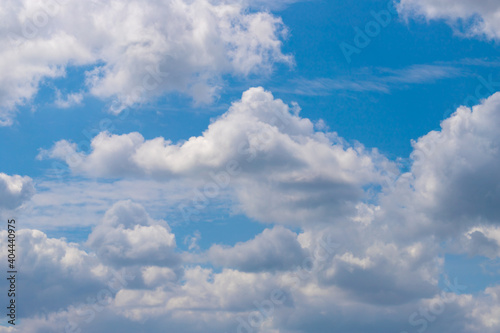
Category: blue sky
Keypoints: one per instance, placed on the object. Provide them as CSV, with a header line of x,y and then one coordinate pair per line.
x,y
253,137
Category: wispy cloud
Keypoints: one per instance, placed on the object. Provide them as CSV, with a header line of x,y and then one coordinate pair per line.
x,y
382,80
69,100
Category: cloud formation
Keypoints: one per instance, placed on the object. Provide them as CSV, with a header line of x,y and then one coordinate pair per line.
x,y
132,51
477,18
453,182
261,147
273,249
387,230
15,190
347,232
128,236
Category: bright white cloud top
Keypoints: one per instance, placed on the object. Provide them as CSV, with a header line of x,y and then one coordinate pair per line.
x,y
131,50
259,141
477,18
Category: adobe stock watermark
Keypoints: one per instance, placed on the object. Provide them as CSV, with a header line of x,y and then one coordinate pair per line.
x,y
421,319
371,30
265,309
37,21
484,89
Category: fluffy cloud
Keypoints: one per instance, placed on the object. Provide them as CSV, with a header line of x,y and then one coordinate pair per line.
x,y
473,17
127,235
329,288
359,249
486,310
273,158
15,190
323,309
206,300
453,183
134,50
273,249
480,241
388,255
54,270
386,273
64,284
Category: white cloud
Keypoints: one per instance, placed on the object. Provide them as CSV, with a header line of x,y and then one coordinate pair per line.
x,y
261,147
136,50
70,100
15,190
382,80
487,310
154,276
80,203
271,4
54,273
472,17
128,236
389,254
231,299
386,273
453,184
480,241
273,249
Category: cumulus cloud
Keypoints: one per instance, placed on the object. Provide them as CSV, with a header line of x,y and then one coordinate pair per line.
x,y
388,229
54,270
127,235
229,300
261,147
453,183
386,273
479,241
471,17
388,282
206,300
63,285
135,50
15,190
273,249
369,263
385,258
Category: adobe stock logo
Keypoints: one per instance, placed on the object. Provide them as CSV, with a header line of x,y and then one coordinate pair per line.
x,y
428,314
372,29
